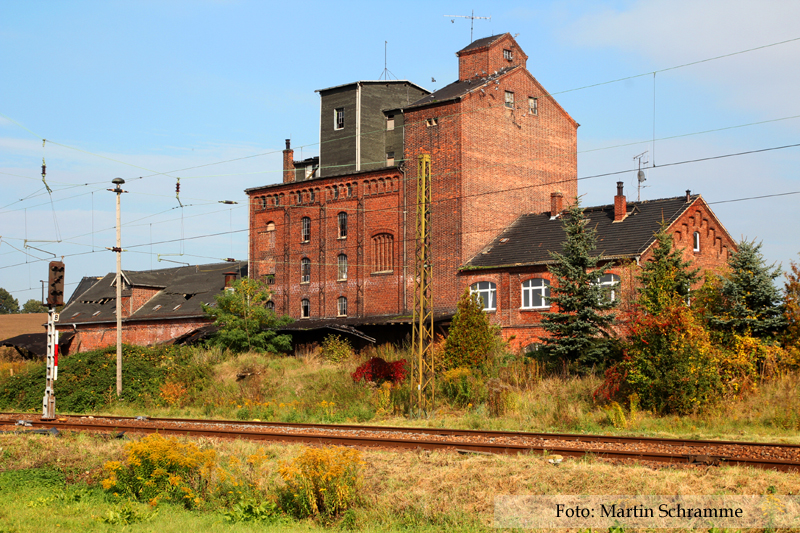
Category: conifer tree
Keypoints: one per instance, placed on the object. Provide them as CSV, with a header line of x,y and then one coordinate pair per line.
x,y
750,301
666,277
579,326
471,338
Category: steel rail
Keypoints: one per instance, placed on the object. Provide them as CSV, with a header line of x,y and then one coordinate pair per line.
x,y
444,432
461,446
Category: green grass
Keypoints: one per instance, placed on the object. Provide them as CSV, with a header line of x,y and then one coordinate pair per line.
x,y
209,383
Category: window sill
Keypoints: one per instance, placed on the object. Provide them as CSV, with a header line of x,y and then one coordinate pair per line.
x,y
305,283
305,242
341,316
341,238
534,308
382,273
342,280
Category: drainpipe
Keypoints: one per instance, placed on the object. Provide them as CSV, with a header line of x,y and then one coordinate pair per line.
x,y
358,126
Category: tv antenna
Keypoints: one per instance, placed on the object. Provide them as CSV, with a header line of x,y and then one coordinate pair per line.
x,y
471,18
640,177
386,72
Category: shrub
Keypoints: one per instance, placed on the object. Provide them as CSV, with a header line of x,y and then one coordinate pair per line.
x,y
321,482
461,387
161,469
472,338
378,370
500,397
336,349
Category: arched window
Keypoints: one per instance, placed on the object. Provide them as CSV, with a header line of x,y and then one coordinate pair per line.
x,y
349,190
305,308
305,229
313,196
271,306
609,284
487,293
342,270
342,225
335,192
263,201
341,306
299,197
535,293
305,270
696,241
383,252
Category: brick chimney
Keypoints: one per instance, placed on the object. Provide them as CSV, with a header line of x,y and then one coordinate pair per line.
x,y
230,278
288,163
556,203
620,205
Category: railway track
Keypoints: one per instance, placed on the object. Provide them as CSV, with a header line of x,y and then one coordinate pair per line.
x,y
782,457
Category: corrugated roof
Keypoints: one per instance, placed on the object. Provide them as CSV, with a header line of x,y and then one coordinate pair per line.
x,y
181,291
529,240
459,88
371,82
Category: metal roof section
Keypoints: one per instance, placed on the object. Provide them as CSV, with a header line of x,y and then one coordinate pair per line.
x,y
530,239
481,43
180,293
364,82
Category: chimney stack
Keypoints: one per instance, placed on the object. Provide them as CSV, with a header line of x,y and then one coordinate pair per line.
x,y
688,195
620,205
230,277
288,162
556,204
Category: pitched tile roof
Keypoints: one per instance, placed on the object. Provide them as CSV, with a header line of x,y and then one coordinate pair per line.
x,y
459,88
529,240
480,43
181,291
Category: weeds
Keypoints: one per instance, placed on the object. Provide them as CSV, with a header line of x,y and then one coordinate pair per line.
x,y
321,482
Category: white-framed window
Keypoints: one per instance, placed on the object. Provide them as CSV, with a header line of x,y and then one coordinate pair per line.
x,y
342,220
305,270
610,285
349,190
305,308
390,122
431,122
389,159
487,293
341,306
508,55
271,306
299,197
341,264
535,293
305,229
338,118
510,99
696,241
533,105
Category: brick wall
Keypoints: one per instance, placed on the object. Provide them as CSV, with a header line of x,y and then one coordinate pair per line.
x,y
139,296
373,204
485,61
93,336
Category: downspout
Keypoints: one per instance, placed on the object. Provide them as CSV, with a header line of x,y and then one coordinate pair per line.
x,y
358,126
405,218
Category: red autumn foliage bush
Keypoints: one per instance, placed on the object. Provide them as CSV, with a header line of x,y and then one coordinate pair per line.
x,y
378,370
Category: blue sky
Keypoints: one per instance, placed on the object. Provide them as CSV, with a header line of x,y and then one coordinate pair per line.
x,y
146,89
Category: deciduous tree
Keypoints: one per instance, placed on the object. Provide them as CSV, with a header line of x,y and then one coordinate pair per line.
x,y
8,304
666,277
34,306
245,323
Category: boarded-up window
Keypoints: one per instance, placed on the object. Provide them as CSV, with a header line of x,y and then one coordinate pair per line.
x,y
383,252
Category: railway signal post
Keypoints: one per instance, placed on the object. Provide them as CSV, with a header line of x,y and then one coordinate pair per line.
x,y
55,298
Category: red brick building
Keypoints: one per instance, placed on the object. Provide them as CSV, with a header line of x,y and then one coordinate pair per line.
x,y
336,240
511,273
158,306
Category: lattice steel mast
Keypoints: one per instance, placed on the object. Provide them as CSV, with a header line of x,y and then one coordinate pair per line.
x,y
422,372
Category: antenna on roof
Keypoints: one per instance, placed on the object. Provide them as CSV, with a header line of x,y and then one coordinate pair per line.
x,y
471,18
386,72
640,177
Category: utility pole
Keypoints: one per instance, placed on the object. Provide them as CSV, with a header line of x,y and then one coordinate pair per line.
x,y
118,249
422,371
